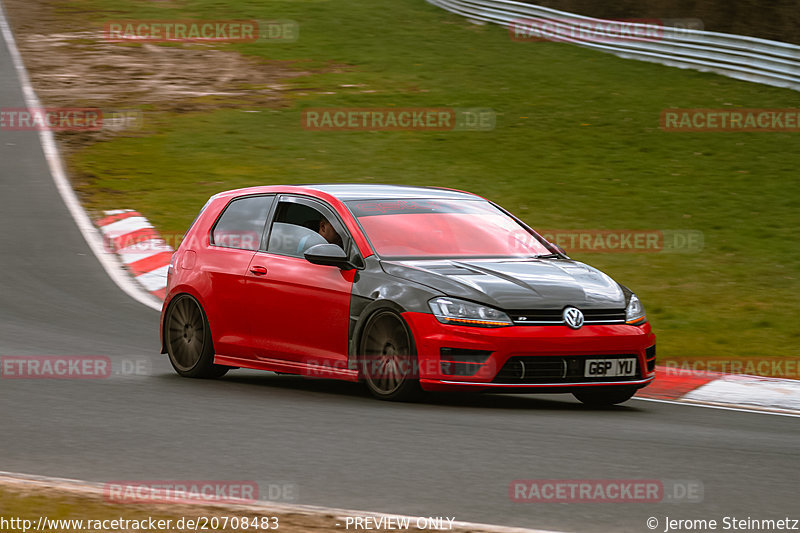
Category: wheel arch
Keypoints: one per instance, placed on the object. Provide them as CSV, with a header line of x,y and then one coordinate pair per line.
x,y
168,306
369,311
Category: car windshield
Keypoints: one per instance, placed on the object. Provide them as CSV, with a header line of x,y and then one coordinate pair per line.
x,y
443,228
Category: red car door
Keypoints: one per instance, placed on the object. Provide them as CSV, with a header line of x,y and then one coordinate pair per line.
x,y
298,311
233,241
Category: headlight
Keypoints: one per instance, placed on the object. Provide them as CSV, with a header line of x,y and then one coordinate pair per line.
x,y
634,314
462,313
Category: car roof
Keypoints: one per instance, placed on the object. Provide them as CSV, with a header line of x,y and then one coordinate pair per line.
x,y
359,191
371,191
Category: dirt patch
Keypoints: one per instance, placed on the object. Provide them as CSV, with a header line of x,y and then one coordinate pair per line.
x,y
72,65
79,68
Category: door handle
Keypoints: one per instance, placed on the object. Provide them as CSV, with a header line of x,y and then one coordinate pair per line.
x,y
259,270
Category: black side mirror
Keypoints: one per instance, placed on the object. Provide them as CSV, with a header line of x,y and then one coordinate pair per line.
x,y
328,254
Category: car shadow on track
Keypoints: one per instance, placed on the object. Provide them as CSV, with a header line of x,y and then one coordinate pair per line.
x,y
358,392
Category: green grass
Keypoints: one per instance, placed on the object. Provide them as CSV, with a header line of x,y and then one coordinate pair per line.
x,y
577,145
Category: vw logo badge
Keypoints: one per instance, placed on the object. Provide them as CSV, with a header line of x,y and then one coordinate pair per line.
x,y
573,317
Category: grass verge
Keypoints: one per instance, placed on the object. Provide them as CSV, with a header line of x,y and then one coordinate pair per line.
x,y
76,508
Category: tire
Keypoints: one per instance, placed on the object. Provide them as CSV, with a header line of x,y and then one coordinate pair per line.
x,y
605,397
188,340
388,357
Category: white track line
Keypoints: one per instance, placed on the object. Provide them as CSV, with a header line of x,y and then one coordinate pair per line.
x,y
96,489
722,406
109,262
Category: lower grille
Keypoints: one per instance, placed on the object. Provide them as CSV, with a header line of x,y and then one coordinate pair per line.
x,y
650,355
462,362
549,369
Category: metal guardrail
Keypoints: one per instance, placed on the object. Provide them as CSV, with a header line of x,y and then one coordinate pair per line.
x,y
736,56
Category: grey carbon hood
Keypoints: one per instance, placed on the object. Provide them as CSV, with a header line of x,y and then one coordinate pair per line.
x,y
515,284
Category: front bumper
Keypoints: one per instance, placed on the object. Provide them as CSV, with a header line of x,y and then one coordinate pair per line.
x,y
526,358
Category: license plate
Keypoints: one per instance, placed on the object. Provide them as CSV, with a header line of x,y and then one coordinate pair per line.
x,y
610,368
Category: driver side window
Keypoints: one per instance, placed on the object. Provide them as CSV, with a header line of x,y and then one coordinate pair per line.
x,y
290,239
297,227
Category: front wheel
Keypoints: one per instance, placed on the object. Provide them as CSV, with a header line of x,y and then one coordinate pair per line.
x,y
604,397
388,358
189,345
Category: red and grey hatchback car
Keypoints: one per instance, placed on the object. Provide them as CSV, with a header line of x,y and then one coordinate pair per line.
x,y
405,288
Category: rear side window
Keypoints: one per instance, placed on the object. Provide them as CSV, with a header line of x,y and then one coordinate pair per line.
x,y
242,223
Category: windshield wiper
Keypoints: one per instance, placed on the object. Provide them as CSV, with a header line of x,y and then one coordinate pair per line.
x,y
547,256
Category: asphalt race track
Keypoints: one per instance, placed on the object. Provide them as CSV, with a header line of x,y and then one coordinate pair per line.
x,y
451,456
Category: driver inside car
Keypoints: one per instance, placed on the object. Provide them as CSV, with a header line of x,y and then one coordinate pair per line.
x,y
327,232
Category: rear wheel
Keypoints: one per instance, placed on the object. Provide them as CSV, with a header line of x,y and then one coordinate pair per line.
x,y
189,345
389,358
605,397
